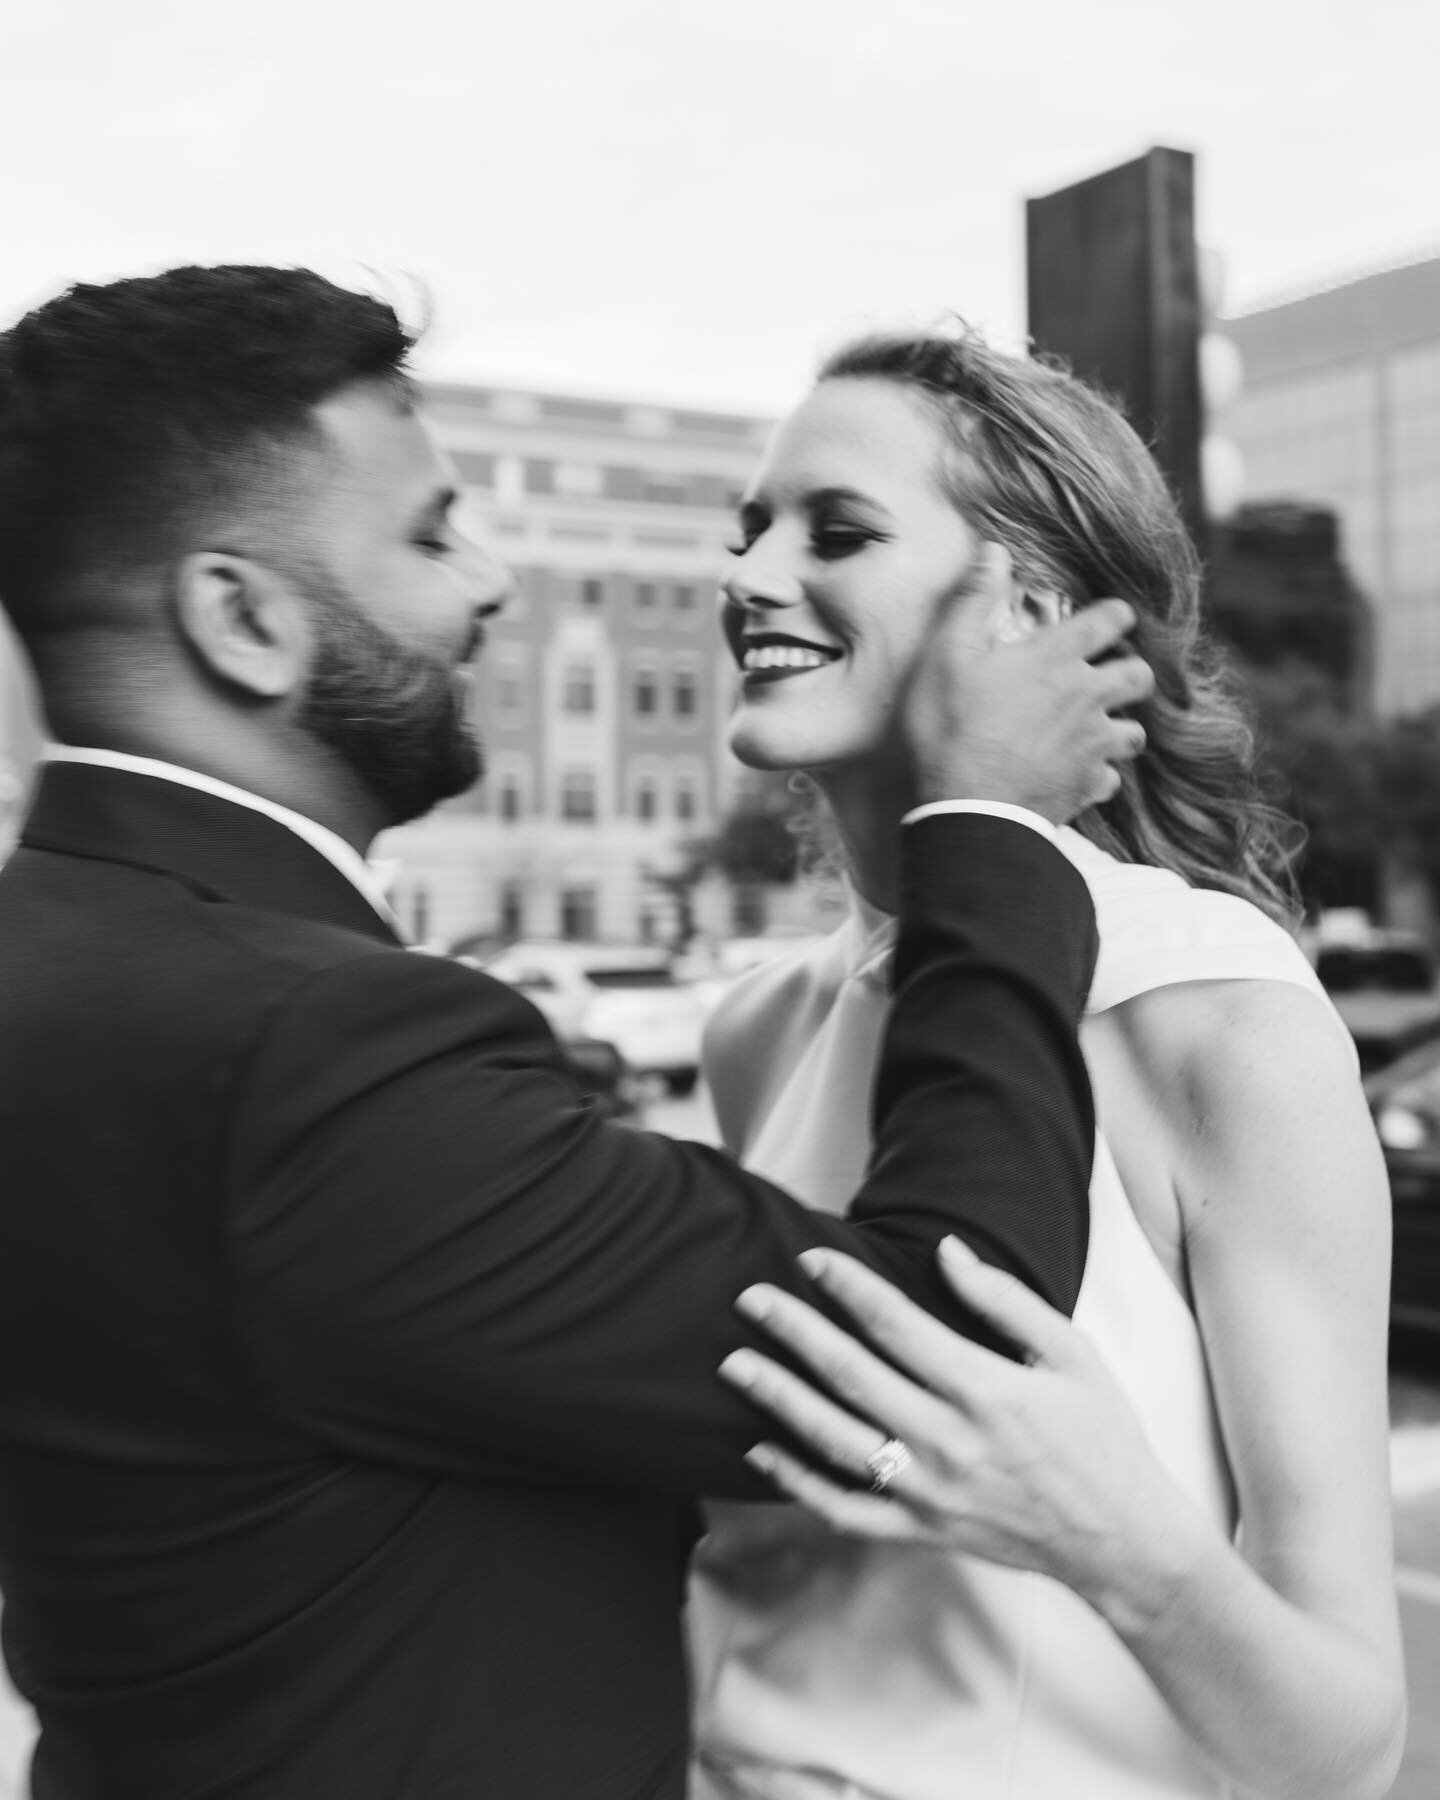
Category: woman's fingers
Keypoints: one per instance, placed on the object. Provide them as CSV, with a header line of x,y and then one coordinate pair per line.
x,y
846,1510
837,1436
941,1358
1036,1329
851,1372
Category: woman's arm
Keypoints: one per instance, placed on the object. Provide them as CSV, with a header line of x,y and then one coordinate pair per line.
x,y
1283,1658
1286,1212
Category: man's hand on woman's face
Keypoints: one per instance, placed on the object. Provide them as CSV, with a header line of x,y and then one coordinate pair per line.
x,y
1031,723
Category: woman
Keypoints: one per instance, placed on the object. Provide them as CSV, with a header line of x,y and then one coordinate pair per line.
x,y
1090,1627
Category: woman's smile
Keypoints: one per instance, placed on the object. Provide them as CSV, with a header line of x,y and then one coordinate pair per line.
x,y
766,657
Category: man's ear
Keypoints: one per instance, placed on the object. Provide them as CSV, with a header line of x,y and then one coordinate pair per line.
x,y
243,621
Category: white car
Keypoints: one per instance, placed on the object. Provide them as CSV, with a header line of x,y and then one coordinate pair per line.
x,y
625,995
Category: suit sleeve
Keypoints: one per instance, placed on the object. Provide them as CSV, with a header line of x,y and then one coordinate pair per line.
x,y
444,1258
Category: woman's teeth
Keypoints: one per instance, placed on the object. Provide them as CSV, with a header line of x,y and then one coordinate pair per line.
x,y
783,656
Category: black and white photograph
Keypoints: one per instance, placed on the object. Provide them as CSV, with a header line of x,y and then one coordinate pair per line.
x,y
719,901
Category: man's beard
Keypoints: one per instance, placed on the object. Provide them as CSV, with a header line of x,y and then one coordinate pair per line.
x,y
395,716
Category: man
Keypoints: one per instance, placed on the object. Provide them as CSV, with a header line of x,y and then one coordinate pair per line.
x,y
355,1374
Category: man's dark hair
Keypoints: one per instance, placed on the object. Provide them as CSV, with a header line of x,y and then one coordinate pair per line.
x,y
133,413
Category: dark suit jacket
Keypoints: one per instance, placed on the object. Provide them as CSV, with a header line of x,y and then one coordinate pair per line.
x,y
354,1375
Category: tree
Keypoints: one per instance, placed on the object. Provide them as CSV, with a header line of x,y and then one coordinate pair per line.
x,y
759,841
1279,593
1324,764
1409,783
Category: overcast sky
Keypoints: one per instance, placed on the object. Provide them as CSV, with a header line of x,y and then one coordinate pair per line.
x,y
692,199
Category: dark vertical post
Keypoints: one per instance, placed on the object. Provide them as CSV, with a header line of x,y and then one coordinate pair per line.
x,y
1114,288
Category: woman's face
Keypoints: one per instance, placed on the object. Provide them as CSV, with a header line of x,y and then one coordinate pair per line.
x,y
847,542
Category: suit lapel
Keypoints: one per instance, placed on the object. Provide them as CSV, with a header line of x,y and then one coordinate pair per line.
x,y
221,850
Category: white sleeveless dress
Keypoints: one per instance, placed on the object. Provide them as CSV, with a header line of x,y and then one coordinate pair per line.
x,y
826,1667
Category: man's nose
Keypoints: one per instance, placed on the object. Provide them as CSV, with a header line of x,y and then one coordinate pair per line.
x,y
502,593
491,581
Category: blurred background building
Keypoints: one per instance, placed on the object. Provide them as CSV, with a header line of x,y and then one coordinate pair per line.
x,y
602,691
1340,408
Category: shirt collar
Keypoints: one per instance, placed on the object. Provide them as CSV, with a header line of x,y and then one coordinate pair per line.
x,y
329,844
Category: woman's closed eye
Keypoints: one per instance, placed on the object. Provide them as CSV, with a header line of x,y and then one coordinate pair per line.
x,y
831,542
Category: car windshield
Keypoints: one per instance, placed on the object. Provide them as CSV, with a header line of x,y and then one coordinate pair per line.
x,y
630,978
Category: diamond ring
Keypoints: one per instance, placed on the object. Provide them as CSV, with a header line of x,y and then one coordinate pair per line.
x,y
891,1459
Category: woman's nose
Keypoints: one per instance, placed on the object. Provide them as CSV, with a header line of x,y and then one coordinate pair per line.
x,y
762,578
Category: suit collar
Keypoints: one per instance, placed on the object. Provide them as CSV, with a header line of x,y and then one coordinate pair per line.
x,y
220,849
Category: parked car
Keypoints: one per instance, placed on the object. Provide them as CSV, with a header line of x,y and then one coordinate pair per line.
x,y
1383,986
598,1067
625,995
1405,1104
713,967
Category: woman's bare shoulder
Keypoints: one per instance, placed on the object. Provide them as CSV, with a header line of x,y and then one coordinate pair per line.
x,y
1256,1087
1220,1032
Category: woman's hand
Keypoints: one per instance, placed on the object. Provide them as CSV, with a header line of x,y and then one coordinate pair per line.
x,y
1040,1464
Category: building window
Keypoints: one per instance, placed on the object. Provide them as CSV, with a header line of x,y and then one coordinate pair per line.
x,y
539,475
684,694
664,490
578,481
687,803
577,688
510,785
577,796
579,913
512,687
646,596
477,469
682,600
592,593
512,909
645,691
645,798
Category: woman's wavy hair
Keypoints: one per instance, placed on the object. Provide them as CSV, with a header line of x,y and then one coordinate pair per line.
x,y
1048,467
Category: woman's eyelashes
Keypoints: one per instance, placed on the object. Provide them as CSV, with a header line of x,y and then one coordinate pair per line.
x,y
828,539
834,541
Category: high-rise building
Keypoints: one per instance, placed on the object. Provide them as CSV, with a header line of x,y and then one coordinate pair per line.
x,y
1341,406
602,693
